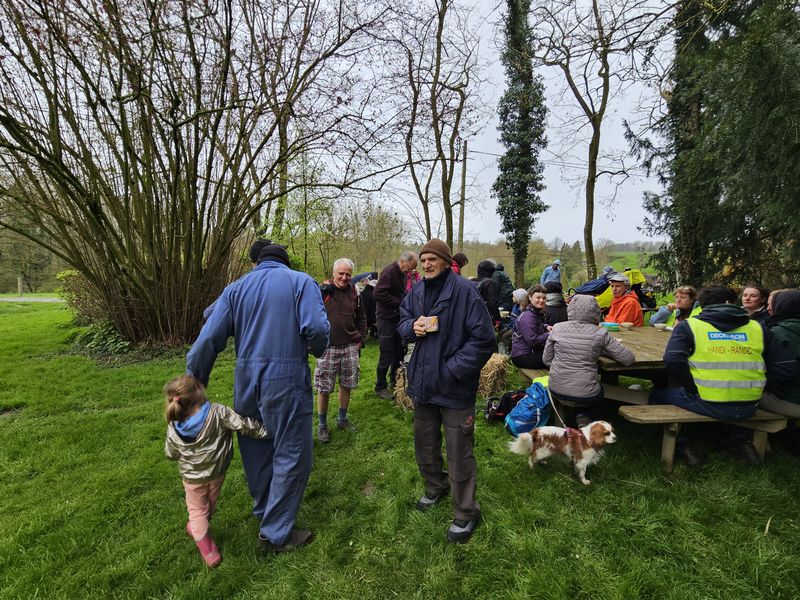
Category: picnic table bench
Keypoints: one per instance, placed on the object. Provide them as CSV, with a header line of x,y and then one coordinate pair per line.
x,y
762,423
530,374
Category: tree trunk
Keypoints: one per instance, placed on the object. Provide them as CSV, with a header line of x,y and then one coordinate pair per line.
x,y
591,181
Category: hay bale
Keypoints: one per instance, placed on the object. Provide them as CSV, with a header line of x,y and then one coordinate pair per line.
x,y
401,399
493,376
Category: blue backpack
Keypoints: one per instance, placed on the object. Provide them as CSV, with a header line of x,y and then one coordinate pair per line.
x,y
532,411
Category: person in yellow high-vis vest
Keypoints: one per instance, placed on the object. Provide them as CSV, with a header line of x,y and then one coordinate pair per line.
x,y
719,362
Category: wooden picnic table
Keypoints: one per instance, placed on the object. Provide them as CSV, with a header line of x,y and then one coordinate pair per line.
x,y
647,345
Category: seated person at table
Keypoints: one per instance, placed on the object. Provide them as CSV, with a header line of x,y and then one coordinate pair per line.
x,y
530,332
754,301
520,299
572,350
625,307
784,306
555,310
721,361
685,306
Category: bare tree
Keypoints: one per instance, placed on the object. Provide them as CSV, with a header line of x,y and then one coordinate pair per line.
x,y
145,138
594,46
433,56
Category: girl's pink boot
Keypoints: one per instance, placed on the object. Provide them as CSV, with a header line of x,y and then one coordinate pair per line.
x,y
209,551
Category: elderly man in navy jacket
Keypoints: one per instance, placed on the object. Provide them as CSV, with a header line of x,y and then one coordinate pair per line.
x,y
454,336
276,316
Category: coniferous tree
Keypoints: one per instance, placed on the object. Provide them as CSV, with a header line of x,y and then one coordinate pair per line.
x,y
730,164
522,132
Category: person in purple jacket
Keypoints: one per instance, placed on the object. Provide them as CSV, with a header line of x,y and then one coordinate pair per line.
x,y
530,332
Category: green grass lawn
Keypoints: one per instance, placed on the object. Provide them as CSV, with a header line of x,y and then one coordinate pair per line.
x,y
90,508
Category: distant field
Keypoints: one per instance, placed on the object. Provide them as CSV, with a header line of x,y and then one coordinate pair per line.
x,y
634,260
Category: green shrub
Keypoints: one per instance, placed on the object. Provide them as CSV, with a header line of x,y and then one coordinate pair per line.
x,y
81,298
101,339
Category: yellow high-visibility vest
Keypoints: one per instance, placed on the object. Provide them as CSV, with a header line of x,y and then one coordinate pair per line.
x,y
604,299
728,366
671,319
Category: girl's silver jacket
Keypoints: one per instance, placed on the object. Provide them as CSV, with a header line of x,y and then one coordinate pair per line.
x,y
209,456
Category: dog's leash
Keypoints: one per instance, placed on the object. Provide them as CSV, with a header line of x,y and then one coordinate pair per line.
x,y
553,404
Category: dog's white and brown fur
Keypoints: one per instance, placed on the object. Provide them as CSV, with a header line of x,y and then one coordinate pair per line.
x,y
583,446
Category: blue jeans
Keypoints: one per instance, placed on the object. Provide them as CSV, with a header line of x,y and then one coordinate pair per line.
x,y
729,411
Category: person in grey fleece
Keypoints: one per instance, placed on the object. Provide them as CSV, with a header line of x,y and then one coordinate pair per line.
x,y
572,350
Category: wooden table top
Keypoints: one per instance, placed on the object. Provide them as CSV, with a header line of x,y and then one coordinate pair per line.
x,y
647,345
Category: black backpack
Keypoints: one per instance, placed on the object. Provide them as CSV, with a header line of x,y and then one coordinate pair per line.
x,y
497,408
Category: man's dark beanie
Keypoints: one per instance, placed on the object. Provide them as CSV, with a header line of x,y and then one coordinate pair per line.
x,y
553,287
439,248
255,249
274,252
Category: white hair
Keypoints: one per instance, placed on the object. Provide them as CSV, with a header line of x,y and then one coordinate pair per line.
x,y
344,261
409,255
519,294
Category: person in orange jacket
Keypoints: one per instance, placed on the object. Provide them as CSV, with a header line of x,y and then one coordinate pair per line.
x,y
625,306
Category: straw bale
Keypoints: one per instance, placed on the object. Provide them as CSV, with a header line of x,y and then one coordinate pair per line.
x,y
401,399
493,376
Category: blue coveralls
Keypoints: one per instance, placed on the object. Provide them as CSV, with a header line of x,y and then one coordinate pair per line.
x,y
276,317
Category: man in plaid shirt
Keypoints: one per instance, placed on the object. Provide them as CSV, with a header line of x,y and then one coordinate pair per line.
x,y
348,334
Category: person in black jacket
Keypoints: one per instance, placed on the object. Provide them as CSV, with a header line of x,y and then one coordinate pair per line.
x,y
489,289
389,293
505,287
555,309
454,337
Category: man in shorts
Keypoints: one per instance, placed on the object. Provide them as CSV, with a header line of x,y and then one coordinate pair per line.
x,y
348,334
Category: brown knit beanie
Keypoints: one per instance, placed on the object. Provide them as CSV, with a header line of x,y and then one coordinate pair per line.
x,y
439,248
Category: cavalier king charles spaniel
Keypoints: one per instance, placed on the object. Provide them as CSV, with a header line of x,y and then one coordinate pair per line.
x,y
583,446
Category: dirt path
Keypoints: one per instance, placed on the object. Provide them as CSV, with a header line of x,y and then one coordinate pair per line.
x,y
31,299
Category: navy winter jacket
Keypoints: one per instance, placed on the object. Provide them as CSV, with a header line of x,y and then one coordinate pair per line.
x,y
445,366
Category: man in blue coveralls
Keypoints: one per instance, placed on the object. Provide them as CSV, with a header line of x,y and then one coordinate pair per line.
x,y
276,316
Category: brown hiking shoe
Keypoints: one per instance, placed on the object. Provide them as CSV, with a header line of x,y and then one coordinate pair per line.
x,y
323,435
384,393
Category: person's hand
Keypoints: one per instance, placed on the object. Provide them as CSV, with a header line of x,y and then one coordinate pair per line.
x,y
549,328
419,327
672,306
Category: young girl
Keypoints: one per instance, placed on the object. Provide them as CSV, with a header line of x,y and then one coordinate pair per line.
x,y
199,438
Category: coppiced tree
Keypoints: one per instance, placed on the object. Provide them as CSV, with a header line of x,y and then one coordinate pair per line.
x,y
146,138
593,45
523,115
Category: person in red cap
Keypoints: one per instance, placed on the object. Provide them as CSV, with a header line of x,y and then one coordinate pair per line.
x,y
454,337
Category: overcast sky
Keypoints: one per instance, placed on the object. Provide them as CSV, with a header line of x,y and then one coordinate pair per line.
x,y
565,218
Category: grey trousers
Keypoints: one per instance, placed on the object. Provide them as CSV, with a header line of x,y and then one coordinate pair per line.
x,y
459,437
